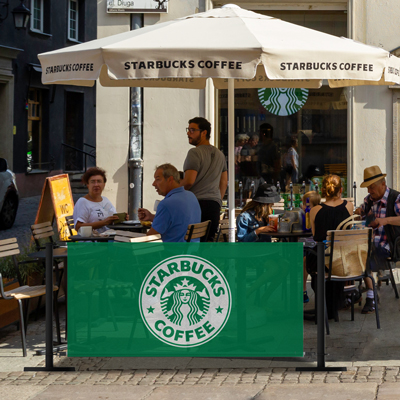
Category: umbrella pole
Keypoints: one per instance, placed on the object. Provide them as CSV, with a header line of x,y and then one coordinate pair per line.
x,y
231,158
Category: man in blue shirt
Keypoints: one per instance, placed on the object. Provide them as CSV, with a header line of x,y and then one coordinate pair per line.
x,y
178,209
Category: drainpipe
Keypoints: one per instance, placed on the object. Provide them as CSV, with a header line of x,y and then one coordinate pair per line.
x,y
135,162
352,192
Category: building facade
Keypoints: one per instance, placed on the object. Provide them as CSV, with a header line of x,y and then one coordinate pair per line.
x,y
330,130
35,119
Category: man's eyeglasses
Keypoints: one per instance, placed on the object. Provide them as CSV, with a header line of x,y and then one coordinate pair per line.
x,y
93,182
192,130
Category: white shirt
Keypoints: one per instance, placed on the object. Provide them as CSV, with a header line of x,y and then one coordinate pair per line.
x,y
288,158
87,211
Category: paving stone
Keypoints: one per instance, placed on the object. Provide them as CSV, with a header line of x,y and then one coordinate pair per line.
x,y
84,392
332,391
241,392
389,391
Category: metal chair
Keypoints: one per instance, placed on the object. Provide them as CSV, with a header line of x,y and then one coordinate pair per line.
x,y
223,231
23,294
390,261
197,231
69,222
42,231
355,222
347,223
349,251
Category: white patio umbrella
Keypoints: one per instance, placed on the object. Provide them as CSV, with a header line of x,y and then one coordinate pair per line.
x,y
234,47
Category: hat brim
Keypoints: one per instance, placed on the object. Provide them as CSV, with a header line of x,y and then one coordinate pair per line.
x,y
268,200
369,183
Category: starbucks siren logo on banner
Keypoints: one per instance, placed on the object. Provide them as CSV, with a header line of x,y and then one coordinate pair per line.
x,y
283,101
185,301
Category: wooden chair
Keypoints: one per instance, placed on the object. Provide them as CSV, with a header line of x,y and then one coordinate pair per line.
x,y
355,222
69,221
197,231
338,169
349,251
348,222
43,231
223,231
280,206
23,294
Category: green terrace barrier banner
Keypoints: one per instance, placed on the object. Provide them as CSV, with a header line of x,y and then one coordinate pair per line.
x,y
185,299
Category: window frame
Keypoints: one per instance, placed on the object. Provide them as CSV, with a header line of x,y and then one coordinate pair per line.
x,y
35,107
32,19
74,39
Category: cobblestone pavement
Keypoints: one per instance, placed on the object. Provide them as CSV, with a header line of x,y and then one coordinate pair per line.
x,y
375,377
372,358
89,373
26,215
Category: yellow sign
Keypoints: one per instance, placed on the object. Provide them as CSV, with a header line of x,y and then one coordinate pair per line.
x,y
56,202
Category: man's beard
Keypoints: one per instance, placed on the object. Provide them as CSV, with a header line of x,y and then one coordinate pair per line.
x,y
195,141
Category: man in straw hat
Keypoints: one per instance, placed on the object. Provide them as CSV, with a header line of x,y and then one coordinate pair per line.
x,y
381,209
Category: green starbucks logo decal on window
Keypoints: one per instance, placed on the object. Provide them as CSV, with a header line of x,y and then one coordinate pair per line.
x,y
185,301
283,101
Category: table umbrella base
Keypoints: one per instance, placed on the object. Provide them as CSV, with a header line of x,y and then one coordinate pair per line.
x,y
56,349
321,369
49,369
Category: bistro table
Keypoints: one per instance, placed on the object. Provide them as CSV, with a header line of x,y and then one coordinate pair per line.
x,y
291,236
58,253
79,238
130,227
62,253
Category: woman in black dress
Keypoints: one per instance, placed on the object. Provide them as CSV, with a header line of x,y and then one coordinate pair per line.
x,y
324,218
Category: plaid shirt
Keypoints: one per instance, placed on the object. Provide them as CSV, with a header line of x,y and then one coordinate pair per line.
x,y
379,209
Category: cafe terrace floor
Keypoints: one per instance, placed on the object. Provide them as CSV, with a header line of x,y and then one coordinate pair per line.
x,y
350,343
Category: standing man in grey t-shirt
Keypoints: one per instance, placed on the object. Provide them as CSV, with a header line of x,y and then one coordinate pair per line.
x,y
205,172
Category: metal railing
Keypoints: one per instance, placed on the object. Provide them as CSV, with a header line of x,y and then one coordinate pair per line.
x,y
91,154
43,165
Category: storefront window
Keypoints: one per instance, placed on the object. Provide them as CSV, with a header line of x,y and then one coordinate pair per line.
x,y
288,135
34,145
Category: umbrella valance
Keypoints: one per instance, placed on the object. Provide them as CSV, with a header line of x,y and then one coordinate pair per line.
x,y
225,43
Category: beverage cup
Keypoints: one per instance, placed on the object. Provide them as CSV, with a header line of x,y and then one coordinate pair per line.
x,y
121,217
85,231
273,221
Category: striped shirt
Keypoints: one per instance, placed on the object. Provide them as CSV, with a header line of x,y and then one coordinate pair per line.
x,y
379,209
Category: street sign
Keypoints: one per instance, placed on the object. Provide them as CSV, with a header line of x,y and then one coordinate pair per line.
x,y
137,6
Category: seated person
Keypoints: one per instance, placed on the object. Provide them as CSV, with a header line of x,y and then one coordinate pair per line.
x,y
381,209
324,218
94,209
314,200
179,208
254,217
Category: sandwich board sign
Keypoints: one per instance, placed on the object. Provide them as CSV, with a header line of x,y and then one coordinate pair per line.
x,y
56,202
